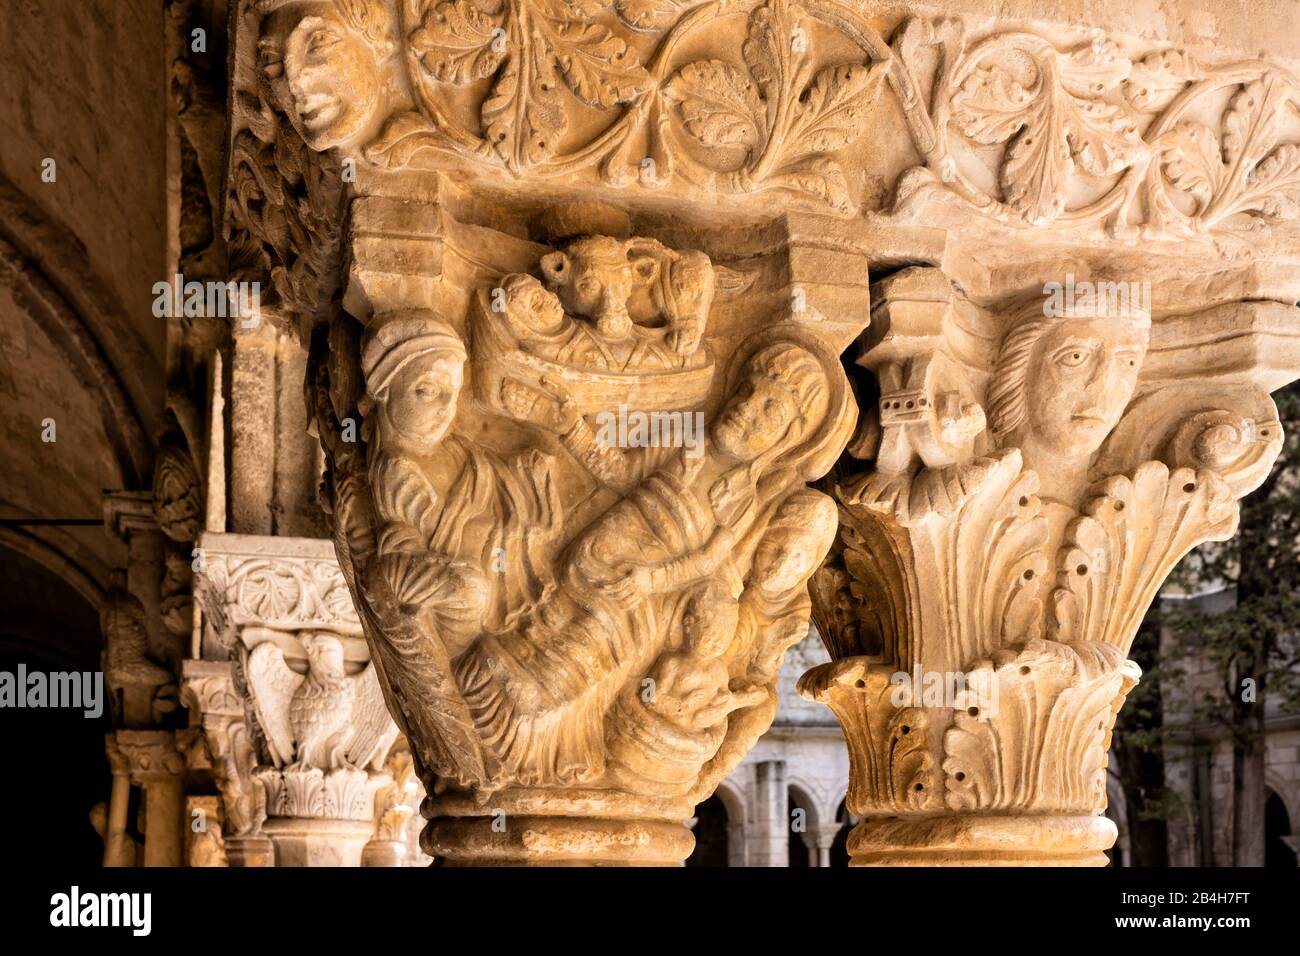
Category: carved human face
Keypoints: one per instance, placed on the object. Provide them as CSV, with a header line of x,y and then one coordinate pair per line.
x,y
333,77
755,419
532,309
1080,380
709,624
420,402
786,558
594,277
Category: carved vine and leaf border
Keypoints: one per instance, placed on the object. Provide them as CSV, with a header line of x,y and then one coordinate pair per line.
x,y
772,118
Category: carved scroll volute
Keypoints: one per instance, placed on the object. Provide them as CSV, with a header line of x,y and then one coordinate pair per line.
x,y
1001,544
576,523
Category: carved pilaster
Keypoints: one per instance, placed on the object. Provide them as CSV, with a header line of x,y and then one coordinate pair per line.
x,y
1029,477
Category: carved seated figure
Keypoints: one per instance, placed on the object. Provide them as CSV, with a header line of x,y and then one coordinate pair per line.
x,y
456,523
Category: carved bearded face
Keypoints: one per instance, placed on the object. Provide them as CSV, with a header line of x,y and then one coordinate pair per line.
x,y
333,77
420,401
1080,379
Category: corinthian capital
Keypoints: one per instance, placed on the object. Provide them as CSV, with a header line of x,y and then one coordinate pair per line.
x,y
1031,474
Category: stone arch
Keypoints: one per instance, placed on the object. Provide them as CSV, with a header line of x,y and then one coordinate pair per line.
x,y
1279,831
737,808
1287,792
43,268
802,845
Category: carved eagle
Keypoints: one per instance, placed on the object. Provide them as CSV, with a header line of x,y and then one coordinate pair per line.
x,y
322,719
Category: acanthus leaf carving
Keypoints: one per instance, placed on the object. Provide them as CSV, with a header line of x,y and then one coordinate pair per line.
x,y
1015,559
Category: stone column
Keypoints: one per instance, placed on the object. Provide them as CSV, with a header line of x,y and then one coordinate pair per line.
x,y
158,767
1027,480
770,835
216,705
119,850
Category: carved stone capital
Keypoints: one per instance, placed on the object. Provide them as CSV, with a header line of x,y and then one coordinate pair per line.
x,y
1031,474
575,515
318,728
288,584
523,239
152,756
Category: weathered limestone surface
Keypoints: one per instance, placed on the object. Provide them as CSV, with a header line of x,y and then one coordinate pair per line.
x,y
1058,251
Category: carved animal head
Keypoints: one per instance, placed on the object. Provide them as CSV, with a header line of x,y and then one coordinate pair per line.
x,y
324,655
597,277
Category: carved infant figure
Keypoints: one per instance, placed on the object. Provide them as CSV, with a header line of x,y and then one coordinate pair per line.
x,y
633,285
692,686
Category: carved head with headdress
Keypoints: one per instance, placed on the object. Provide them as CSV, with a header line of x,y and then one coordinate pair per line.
x,y
414,367
1063,381
332,54
782,398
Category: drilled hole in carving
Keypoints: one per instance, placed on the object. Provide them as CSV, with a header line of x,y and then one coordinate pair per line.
x,y
1024,671
859,684
1189,487
1024,501
1029,574
919,787
960,776
1081,570
973,711
905,729
1119,506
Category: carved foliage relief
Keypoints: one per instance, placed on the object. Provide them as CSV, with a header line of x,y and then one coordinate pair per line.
x,y
1087,131
1161,144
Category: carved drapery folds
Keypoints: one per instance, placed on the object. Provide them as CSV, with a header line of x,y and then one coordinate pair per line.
x,y
1027,482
